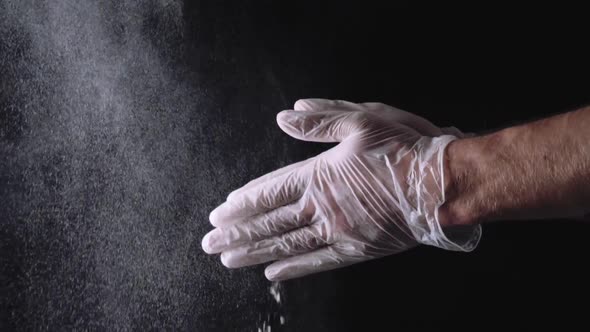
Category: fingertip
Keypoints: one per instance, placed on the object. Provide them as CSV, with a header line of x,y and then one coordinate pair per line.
x,y
226,260
214,217
285,120
210,242
226,214
271,273
282,116
206,243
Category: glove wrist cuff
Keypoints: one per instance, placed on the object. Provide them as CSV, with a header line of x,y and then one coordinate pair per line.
x,y
428,177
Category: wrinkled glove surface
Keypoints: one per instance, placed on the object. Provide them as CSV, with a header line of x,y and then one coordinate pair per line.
x,y
376,193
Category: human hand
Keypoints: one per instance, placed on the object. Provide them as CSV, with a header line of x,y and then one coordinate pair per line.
x,y
374,194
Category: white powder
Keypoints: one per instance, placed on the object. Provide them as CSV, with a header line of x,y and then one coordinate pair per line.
x,y
275,292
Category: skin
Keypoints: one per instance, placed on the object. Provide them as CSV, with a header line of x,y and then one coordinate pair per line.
x,y
532,171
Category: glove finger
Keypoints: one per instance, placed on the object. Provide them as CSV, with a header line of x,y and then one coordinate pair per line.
x,y
323,259
268,177
418,123
320,126
297,242
317,104
259,227
263,197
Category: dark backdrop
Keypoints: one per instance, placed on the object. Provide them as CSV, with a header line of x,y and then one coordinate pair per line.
x,y
478,67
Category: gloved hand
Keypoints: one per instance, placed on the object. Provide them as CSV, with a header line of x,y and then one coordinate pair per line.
x,y
374,194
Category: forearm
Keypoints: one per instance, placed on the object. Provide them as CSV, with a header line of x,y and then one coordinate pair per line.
x,y
537,170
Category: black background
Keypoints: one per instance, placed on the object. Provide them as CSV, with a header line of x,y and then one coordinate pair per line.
x,y
477,67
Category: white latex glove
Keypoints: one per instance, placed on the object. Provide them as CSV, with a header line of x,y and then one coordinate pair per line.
x,y
374,194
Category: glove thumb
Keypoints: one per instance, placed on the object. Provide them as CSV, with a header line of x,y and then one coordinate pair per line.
x,y
319,126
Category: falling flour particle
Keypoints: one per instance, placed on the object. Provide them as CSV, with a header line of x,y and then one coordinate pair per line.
x,y
115,136
275,291
265,328
106,167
